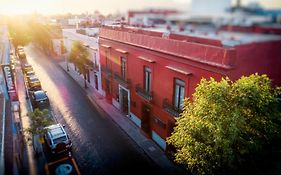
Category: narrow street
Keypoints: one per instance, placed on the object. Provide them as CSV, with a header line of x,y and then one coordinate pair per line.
x,y
99,145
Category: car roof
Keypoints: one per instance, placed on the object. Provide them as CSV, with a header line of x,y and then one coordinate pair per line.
x,y
56,131
33,78
40,92
30,72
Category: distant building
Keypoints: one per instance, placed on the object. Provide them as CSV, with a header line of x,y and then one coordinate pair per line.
x,y
149,17
57,39
210,7
146,74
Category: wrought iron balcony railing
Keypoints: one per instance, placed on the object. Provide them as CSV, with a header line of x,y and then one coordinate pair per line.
x,y
171,109
125,82
141,92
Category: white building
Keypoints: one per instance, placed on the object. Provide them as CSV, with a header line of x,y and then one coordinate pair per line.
x,y
210,7
70,35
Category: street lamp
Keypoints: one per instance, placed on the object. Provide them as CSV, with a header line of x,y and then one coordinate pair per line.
x,y
67,68
85,78
65,54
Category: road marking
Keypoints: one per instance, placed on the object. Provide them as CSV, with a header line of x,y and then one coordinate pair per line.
x,y
2,167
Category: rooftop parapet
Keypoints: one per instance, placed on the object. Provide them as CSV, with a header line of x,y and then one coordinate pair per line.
x,y
208,51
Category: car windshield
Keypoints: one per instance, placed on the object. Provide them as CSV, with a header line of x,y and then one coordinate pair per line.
x,y
30,73
40,95
60,139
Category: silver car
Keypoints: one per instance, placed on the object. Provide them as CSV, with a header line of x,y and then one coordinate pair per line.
x,y
57,139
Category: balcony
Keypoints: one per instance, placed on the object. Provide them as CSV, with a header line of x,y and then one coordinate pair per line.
x,y
125,82
106,70
168,107
141,92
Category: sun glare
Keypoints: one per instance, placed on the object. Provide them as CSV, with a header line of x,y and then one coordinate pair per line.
x,y
15,7
15,10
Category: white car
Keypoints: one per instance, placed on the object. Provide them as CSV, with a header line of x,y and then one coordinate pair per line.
x,y
57,139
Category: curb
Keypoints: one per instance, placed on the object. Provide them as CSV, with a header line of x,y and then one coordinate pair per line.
x,y
2,165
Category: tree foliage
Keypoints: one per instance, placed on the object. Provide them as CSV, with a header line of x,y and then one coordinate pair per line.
x,y
39,120
79,55
41,36
225,122
26,30
18,32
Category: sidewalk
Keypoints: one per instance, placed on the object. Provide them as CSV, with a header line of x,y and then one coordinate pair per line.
x,y
149,147
7,157
2,165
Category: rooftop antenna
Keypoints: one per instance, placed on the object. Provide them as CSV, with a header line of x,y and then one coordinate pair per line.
x,y
238,3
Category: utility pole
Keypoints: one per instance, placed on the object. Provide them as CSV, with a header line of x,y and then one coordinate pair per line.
x,y
64,52
85,76
85,81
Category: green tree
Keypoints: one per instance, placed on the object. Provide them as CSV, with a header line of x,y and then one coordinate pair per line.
x,y
41,36
226,122
39,120
79,56
18,32
26,30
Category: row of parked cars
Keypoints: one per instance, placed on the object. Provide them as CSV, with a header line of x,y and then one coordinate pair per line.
x,y
56,137
38,96
20,52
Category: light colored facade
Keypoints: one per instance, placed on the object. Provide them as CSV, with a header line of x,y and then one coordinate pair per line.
x,y
69,36
214,7
57,44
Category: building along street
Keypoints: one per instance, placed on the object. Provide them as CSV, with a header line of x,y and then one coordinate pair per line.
x,y
99,145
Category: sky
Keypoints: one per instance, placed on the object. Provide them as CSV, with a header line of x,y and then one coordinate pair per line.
x,y
11,7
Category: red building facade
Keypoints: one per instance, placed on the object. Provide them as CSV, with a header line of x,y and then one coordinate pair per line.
x,y
146,74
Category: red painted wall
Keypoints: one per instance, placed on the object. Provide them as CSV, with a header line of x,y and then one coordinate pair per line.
x,y
162,78
262,58
253,29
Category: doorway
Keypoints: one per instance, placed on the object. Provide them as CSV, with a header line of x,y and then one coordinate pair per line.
x,y
145,121
96,81
124,99
108,94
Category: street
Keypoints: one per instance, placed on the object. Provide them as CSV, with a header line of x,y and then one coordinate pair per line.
x,y
99,145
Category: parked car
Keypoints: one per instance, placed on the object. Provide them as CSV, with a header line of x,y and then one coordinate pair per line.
x,y
12,63
39,99
20,49
33,83
21,55
27,68
57,139
29,74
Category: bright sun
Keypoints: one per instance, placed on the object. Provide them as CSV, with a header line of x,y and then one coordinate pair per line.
x,y
14,7
15,10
